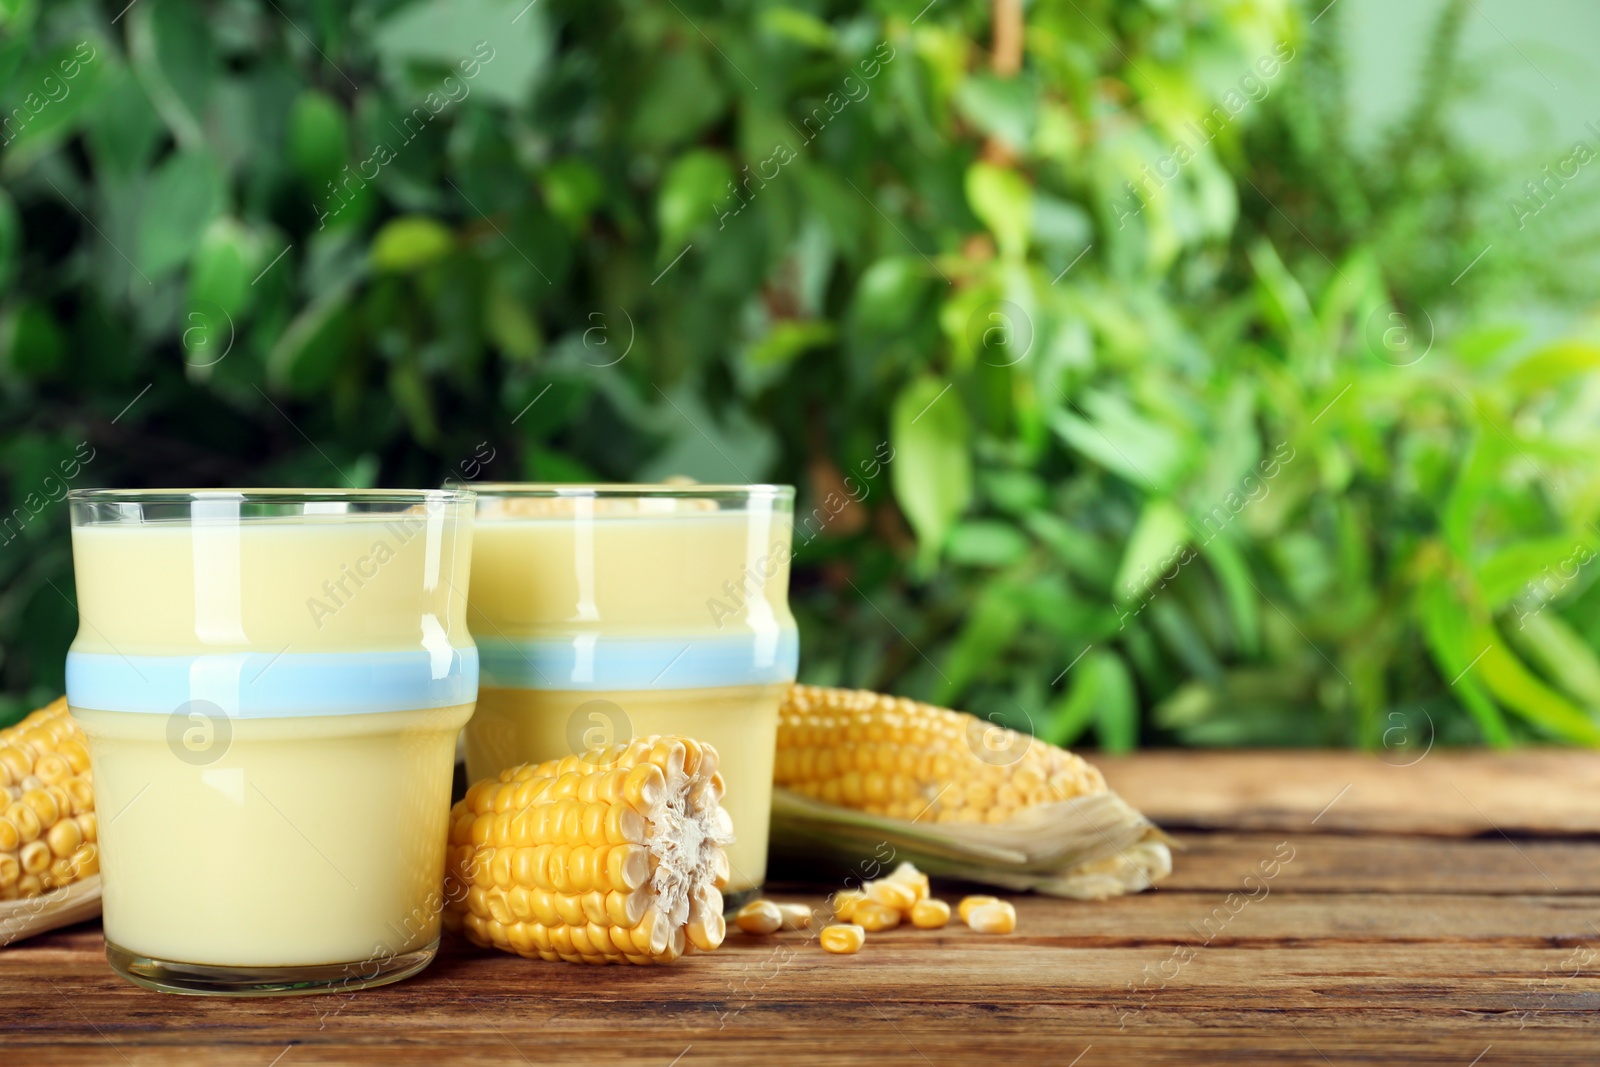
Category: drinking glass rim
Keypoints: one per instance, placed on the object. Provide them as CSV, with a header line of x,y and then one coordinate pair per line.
x,y
555,490
270,495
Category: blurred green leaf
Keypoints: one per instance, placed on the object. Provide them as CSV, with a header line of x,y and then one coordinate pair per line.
x,y
1122,440
1514,570
932,471
573,189
682,98
454,48
411,243
1454,644
510,324
797,25
310,351
31,344
887,295
184,194
1101,692
1554,364
10,239
690,195
123,128
1155,549
319,137
1561,654
1004,107
224,264
989,629
1004,201
985,543
174,60
1233,574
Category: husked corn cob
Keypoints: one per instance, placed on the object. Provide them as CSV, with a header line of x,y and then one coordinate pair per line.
x,y
858,771
900,758
614,856
47,822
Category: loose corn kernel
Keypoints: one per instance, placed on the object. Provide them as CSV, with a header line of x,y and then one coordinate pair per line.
x,y
46,802
899,758
964,909
843,903
996,918
896,895
930,914
908,874
796,916
870,915
584,859
845,939
759,917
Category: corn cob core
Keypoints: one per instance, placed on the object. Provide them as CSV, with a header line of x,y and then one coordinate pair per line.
x,y
47,822
610,857
900,758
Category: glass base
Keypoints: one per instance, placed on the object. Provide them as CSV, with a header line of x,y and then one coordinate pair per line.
x,y
203,979
734,899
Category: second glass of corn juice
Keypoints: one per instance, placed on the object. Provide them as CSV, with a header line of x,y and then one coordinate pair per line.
x,y
271,684
613,611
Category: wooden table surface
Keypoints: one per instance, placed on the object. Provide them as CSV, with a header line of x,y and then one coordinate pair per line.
x,y
1446,912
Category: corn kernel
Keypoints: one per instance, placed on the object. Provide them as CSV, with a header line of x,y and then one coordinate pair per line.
x,y
759,917
796,916
844,903
930,914
896,895
872,916
996,918
964,909
844,939
908,874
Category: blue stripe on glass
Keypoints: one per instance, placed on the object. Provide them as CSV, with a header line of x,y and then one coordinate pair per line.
x,y
596,662
266,685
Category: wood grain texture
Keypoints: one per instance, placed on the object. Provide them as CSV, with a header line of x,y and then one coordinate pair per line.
x,y
1352,948
1451,793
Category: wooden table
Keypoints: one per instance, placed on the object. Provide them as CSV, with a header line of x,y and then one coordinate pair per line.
x,y
1446,912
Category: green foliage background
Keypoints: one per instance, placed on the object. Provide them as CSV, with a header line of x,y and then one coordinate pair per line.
x,y
1243,452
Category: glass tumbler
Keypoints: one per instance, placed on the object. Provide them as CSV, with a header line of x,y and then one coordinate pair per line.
x,y
607,612
272,683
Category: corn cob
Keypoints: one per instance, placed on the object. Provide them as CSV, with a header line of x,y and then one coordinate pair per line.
x,y
47,822
892,756
614,856
959,795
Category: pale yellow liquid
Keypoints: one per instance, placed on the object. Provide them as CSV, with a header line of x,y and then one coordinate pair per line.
x,y
173,589
642,575
312,839
628,574
517,725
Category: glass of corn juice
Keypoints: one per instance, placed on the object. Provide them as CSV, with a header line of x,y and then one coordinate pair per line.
x,y
603,612
272,683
